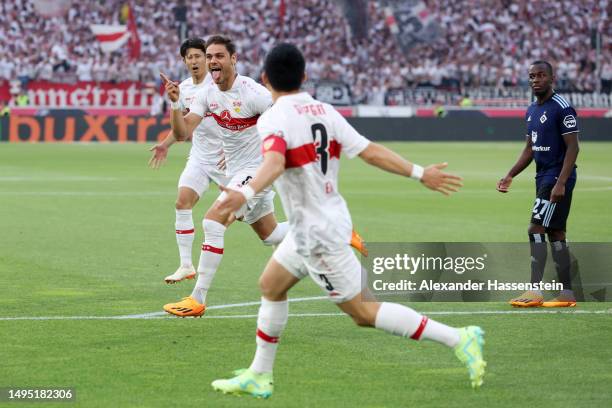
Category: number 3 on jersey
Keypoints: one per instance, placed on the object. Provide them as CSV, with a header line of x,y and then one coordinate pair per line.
x,y
319,134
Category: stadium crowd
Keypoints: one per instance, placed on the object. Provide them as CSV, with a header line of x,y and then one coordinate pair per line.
x,y
482,42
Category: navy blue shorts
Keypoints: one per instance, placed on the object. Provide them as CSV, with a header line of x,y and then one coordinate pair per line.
x,y
551,215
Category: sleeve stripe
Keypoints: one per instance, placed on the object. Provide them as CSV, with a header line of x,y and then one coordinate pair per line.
x,y
571,131
562,102
274,143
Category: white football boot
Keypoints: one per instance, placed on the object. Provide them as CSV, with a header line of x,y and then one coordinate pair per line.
x,y
183,272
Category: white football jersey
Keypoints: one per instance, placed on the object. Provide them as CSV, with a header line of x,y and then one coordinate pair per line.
x,y
206,144
235,112
311,135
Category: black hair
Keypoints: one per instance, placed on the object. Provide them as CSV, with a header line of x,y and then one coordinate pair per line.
x,y
549,67
284,67
223,40
195,42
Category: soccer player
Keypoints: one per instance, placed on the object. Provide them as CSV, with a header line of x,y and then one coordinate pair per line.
x,y
552,141
234,103
302,142
202,166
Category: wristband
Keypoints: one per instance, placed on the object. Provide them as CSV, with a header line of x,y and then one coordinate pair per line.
x,y
247,191
175,105
417,171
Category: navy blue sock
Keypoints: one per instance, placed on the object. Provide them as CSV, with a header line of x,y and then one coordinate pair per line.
x,y
537,244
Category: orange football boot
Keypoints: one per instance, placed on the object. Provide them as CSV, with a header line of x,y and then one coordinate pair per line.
x,y
527,299
185,308
560,301
358,243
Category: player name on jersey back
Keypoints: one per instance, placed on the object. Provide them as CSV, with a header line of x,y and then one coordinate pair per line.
x,y
311,135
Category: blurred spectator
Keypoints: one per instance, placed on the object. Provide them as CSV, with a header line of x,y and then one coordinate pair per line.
x,y
466,102
484,42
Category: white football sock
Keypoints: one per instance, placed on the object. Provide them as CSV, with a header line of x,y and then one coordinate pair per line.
x,y
210,258
276,237
271,321
184,235
403,321
441,333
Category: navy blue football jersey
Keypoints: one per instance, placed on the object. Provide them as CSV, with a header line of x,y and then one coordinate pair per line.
x,y
546,125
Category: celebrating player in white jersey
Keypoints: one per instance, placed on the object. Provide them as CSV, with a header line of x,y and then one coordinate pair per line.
x,y
204,157
233,103
302,142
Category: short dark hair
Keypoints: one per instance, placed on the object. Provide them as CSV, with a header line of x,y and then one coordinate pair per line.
x,y
195,42
223,40
549,67
284,67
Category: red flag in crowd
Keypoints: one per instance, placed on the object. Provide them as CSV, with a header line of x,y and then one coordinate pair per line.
x,y
111,37
282,10
134,41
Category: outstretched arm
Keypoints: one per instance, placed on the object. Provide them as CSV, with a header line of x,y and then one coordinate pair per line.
x,y
160,151
521,164
432,176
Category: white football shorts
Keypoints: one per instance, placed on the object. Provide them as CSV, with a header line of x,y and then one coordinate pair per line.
x,y
256,208
198,175
338,274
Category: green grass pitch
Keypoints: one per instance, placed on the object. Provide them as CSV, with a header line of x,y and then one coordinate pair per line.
x,y
88,230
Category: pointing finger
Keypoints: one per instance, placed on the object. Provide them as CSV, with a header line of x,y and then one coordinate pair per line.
x,y
164,78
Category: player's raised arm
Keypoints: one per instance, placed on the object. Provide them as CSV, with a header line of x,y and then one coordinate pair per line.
x,y
182,126
503,185
431,176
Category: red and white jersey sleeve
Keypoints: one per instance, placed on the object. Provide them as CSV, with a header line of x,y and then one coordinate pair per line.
x,y
206,144
311,135
352,142
235,113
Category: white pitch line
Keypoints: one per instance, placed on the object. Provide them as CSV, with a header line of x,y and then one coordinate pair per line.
x,y
54,178
88,193
439,313
84,194
152,315
163,315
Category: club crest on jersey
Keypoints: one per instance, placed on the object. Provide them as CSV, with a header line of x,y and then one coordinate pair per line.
x,y
226,116
569,121
543,117
237,105
534,136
